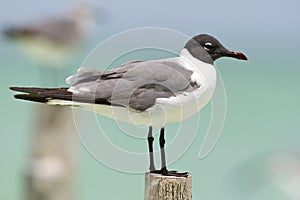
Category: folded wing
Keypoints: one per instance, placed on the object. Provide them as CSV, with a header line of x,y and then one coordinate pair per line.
x,y
135,84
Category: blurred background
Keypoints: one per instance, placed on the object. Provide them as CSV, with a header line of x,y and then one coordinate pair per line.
x,y
258,155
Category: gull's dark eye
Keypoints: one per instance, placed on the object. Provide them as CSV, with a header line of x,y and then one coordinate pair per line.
x,y
208,46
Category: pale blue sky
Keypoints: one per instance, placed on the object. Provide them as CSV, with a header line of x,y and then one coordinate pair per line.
x,y
267,29
253,19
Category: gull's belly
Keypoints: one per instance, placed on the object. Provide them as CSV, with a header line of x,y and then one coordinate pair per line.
x,y
178,108
165,110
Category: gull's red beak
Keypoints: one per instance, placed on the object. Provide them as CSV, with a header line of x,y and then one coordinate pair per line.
x,y
237,55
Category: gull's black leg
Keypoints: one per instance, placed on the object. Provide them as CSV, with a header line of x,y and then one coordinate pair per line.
x,y
164,170
150,145
162,142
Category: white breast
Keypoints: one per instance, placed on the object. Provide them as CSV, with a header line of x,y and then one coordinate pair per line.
x,y
168,110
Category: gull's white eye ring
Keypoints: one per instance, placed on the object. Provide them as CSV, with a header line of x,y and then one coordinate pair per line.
x,y
207,46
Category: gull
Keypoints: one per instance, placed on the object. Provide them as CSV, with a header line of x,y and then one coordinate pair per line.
x,y
52,41
152,93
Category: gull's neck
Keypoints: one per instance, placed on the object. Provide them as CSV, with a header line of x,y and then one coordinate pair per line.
x,y
205,70
195,63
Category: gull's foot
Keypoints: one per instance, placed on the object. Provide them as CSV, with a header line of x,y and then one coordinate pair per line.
x,y
166,172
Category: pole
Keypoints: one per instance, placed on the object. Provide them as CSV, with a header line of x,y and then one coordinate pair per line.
x,y
50,171
158,187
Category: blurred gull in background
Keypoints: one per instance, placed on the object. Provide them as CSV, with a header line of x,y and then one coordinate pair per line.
x,y
52,41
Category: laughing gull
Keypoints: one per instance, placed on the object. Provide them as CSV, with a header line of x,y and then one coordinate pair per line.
x,y
51,41
151,93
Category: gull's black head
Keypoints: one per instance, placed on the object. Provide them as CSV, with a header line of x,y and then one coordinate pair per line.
x,y
208,49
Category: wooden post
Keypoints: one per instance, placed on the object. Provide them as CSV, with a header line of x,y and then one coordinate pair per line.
x,y
50,171
158,187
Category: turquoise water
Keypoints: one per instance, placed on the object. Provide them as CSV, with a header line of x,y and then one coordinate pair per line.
x,y
262,118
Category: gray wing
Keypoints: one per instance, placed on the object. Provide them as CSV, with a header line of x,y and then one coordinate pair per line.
x,y
135,84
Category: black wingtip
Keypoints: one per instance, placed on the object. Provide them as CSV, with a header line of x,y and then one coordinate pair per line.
x,y
23,89
14,88
30,94
41,95
29,97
